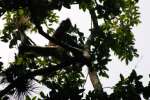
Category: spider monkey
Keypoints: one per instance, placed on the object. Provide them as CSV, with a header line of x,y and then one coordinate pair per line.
x,y
61,31
52,49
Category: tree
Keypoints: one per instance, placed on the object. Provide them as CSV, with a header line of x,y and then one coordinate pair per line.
x,y
60,63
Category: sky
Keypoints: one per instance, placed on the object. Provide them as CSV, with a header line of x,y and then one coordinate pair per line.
x,y
142,37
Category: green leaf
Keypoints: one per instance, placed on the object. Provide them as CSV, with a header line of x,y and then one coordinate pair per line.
x,y
12,43
21,12
104,74
42,94
121,77
28,98
67,5
83,6
34,98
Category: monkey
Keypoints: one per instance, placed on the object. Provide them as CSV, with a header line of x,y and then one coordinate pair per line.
x,y
61,31
52,49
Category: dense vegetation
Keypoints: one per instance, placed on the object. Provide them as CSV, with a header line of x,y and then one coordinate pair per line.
x,y
59,65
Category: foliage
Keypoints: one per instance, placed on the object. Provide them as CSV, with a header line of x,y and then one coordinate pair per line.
x,y
63,75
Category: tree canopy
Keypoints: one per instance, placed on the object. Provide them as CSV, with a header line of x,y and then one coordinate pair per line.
x,y
58,66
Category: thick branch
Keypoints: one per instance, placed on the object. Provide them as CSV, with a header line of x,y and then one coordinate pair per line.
x,y
95,81
41,51
93,73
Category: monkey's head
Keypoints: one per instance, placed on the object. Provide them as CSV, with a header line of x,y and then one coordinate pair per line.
x,y
64,27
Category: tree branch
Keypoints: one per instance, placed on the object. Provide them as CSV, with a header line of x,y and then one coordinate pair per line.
x,y
41,51
93,73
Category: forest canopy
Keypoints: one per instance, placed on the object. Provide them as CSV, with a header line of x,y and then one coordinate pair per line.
x,y
59,64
